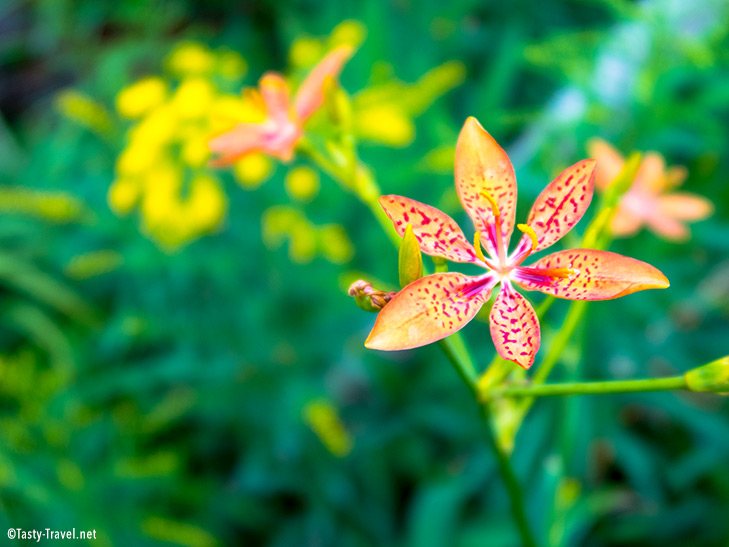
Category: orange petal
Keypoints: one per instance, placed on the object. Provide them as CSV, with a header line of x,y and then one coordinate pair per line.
x,y
231,145
609,162
514,327
310,95
562,203
668,228
587,274
276,96
437,233
684,206
651,175
482,166
625,223
428,310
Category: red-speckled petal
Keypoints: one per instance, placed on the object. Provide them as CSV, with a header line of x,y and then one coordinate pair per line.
x,y
514,327
437,233
481,165
562,203
594,275
428,310
239,141
310,95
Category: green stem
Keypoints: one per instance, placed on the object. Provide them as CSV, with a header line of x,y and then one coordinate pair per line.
x,y
453,346
572,320
506,470
591,388
513,488
500,369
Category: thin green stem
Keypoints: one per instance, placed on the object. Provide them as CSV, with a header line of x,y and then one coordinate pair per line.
x,y
506,470
572,320
499,369
357,179
513,488
591,388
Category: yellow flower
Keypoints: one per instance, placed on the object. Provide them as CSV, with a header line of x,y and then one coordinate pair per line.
x,y
335,245
139,98
136,158
250,171
231,65
195,152
190,59
123,195
157,128
305,52
349,33
385,123
193,98
206,203
302,183
162,186
302,243
230,110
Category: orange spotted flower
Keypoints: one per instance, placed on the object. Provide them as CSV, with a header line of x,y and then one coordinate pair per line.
x,y
438,305
648,201
283,125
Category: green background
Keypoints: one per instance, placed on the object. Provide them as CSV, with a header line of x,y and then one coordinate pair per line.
x,y
161,402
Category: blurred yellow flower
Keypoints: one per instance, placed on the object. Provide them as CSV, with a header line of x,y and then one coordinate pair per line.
x,y
335,244
305,51
163,168
283,223
322,417
206,202
139,98
193,98
302,183
384,123
231,65
251,170
190,58
123,195
347,33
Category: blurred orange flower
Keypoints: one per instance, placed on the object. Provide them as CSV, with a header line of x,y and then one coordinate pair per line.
x,y
649,201
283,123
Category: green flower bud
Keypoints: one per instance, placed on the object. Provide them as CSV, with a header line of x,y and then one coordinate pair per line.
x,y
410,259
713,377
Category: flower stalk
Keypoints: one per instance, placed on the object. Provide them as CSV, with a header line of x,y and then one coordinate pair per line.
x,y
586,388
453,346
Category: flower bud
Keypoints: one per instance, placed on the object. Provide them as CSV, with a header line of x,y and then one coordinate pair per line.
x,y
410,259
713,377
367,297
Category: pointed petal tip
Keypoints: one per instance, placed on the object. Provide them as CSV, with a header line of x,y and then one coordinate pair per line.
x,y
526,364
472,122
379,342
345,50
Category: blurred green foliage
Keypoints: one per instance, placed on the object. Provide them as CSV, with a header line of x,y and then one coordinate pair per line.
x,y
220,394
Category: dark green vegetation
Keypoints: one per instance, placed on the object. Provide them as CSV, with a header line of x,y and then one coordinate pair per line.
x,y
159,397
